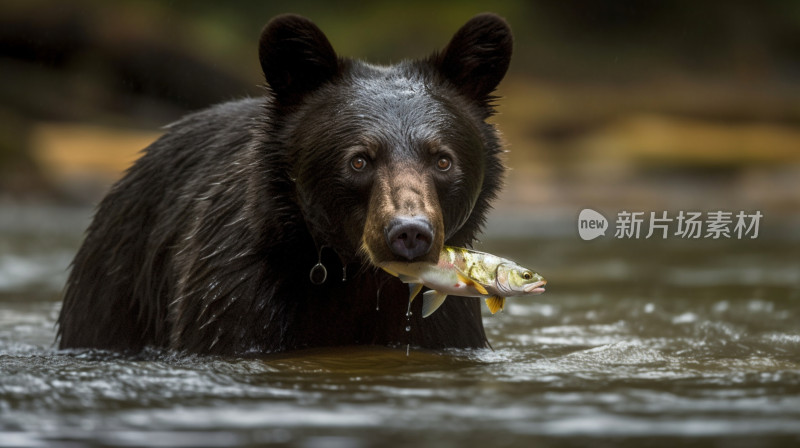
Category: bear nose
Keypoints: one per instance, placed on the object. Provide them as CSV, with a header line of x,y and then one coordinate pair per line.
x,y
409,237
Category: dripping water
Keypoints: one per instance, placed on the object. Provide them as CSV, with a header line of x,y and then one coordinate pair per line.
x,y
378,294
408,327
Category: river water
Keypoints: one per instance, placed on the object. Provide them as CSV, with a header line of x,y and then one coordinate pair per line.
x,y
635,343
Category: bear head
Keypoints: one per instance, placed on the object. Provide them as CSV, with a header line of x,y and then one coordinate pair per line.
x,y
388,163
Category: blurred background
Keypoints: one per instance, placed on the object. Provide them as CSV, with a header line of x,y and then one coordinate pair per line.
x,y
625,104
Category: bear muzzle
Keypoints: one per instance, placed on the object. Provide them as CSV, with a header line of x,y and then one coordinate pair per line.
x,y
409,236
404,221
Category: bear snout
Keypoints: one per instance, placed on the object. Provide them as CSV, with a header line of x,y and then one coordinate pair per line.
x,y
404,220
409,236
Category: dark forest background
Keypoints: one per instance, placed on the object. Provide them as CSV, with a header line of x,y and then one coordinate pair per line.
x,y
621,104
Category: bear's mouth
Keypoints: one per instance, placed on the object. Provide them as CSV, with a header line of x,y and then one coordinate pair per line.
x,y
384,254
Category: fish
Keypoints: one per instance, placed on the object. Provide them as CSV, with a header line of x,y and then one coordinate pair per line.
x,y
467,273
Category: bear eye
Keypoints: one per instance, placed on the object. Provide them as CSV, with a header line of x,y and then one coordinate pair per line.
x,y
527,275
443,164
358,163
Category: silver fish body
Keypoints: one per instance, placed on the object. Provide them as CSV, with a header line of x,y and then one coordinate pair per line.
x,y
467,273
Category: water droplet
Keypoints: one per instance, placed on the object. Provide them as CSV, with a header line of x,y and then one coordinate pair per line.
x,y
408,327
408,314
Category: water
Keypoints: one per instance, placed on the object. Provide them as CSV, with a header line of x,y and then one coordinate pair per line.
x,y
634,343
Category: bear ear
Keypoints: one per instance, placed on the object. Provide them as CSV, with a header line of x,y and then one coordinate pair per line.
x,y
296,57
477,57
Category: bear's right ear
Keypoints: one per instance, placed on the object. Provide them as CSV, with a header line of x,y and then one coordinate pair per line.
x,y
296,57
477,57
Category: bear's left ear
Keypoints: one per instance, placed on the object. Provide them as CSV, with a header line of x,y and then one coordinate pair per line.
x,y
477,57
296,57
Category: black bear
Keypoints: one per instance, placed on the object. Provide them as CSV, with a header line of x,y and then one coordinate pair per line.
x,y
255,226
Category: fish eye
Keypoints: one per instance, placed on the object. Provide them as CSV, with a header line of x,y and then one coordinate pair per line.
x,y
527,275
358,163
444,164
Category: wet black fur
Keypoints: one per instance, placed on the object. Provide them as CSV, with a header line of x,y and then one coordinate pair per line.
x,y
206,244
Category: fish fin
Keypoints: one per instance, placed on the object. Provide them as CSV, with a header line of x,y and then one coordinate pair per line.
x,y
413,290
408,279
403,277
470,282
495,303
431,301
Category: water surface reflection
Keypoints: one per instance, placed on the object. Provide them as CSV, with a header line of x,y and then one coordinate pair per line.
x,y
683,344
